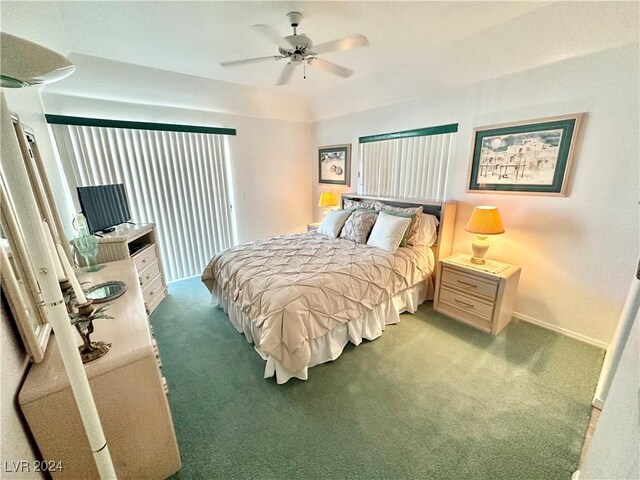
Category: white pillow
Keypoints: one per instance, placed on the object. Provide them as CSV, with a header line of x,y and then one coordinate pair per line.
x,y
388,231
428,230
333,223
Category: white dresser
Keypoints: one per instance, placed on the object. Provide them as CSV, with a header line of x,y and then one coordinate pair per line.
x,y
128,387
138,242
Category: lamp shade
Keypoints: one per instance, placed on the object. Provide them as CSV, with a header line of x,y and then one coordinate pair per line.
x,y
328,199
485,220
24,63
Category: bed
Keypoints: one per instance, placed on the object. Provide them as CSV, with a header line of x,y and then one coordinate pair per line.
x,y
301,298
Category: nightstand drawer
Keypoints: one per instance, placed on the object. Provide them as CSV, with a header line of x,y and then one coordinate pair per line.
x,y
468,304
471,284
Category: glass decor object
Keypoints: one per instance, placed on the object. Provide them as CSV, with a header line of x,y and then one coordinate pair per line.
x,y
87,246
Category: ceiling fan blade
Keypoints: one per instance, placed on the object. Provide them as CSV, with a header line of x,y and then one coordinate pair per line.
x,y
286,73
330,67
270,34
233,63
353,41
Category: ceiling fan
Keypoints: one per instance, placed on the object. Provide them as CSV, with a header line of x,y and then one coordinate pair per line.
x,y
300,50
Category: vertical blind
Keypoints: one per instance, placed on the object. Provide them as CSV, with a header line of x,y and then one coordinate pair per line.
x,y
411,164
178,180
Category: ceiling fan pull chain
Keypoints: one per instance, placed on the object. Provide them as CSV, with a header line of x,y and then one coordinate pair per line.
x,y
304,70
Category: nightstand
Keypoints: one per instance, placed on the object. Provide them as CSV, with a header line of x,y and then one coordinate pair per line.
x,y
482,296
313,227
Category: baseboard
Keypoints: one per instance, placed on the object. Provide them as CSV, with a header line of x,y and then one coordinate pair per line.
x,y
563,331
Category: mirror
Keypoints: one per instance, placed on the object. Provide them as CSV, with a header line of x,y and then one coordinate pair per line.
x,y
19,282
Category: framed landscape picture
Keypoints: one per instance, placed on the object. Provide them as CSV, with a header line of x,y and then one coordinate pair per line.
x,y
334,164
532,157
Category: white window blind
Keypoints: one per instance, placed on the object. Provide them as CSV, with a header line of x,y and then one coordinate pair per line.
x,y
411,164
179,180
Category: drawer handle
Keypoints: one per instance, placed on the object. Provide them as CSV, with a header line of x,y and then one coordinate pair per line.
x,y
152,292
464,304
467,284
148,276
145,259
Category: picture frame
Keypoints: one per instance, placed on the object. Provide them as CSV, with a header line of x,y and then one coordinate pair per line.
x,y
334,164
532,157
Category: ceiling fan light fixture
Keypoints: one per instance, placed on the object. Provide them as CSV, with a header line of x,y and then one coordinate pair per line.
x,y
299,50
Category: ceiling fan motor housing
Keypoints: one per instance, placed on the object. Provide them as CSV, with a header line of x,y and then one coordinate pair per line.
x,y
299,43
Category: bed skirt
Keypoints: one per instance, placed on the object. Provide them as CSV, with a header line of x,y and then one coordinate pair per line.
x,y
329,347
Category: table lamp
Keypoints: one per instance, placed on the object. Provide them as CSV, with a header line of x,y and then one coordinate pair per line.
x,y
485,220
327,200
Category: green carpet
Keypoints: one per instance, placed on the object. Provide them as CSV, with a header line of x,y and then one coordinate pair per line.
x,y
431,398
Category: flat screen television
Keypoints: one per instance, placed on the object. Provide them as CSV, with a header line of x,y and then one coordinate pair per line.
x,y
104,206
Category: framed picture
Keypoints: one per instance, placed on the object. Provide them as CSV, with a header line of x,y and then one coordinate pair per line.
x,y
532,157
334,164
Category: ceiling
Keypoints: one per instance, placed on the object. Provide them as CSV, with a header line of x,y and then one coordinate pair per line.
x,y
415,47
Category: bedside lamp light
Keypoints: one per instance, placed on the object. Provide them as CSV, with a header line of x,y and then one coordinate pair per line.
x,y
484,221
327,200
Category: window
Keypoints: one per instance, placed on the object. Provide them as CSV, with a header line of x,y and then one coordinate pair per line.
x,y
177,179
410,164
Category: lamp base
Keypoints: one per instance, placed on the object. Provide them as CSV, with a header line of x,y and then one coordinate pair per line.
x,y
479,246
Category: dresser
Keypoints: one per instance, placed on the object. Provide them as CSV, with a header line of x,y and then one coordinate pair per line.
x,y
138,242
483,299
128,388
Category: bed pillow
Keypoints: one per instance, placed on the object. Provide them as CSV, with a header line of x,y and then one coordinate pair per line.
x,y
412,233
333,223
358,225
388,231
412,216
428,230
353,204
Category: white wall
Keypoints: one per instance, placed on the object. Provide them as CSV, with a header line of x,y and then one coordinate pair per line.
x,y
269,155
15,444
578,251
613,451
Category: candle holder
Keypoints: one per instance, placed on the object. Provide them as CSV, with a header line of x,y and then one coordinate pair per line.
x,y
83,321
65,285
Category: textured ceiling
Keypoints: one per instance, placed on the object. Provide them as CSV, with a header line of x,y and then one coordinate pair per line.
x,y
415,47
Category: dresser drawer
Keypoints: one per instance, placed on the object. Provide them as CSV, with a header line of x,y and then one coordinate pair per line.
x,y
145,257
153,291
155,301
467,303
468,283
149,274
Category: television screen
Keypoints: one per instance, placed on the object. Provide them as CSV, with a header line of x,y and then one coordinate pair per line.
x,y
104,206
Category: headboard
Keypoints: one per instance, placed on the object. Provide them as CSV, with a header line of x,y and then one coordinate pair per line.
x,y
444,211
